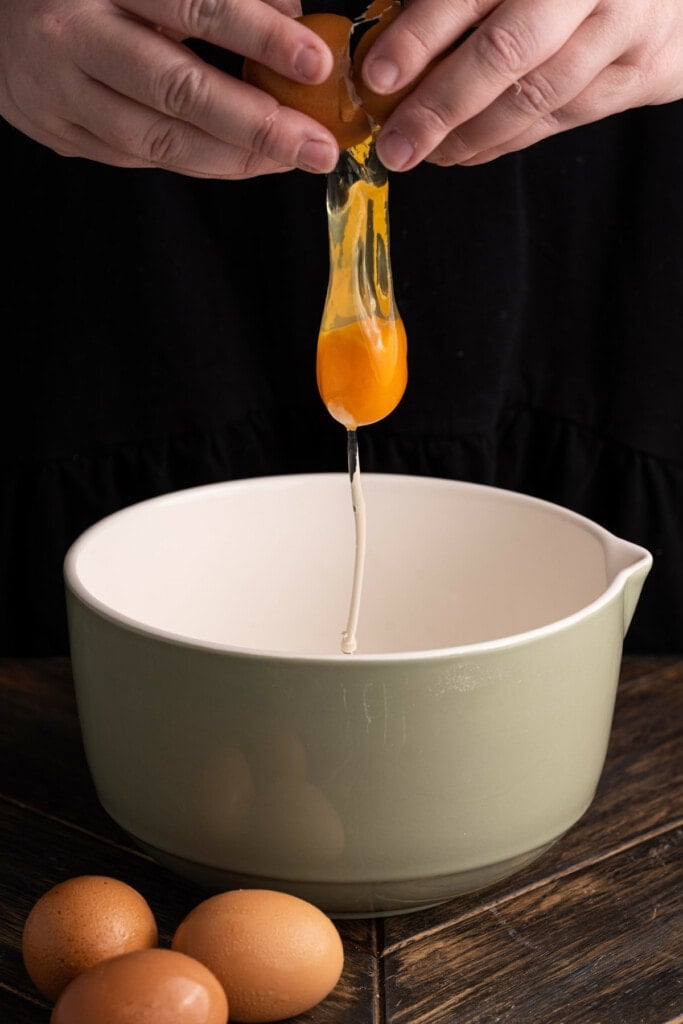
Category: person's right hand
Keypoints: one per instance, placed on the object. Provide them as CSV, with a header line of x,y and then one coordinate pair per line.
x,y
112,82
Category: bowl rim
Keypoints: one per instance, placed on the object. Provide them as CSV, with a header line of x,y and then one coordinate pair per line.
x,y
642,561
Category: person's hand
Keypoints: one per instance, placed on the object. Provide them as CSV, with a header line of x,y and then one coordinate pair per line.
x,y
530,69
112,82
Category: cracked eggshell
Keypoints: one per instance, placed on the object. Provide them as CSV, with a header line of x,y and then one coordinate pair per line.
x,y
380,106
332,103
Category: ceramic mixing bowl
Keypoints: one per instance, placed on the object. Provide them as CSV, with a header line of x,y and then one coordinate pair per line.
x,y
229,736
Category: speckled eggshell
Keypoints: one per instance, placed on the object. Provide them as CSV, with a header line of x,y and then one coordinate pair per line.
x,y
149,986
276,955
79,922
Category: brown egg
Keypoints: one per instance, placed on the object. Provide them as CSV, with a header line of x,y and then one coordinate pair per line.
x,y
331,102
79,922
379,107
150,986
275,955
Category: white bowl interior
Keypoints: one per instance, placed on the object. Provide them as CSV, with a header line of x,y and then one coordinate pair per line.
x,y
266,564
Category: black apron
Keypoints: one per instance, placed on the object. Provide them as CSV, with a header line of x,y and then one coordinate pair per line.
x,y
160,333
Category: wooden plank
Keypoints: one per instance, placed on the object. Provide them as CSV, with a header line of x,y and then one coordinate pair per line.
x,y
641,790
18,1009
45,682
602,946
637,666
52,827
37,852
42,763
42,767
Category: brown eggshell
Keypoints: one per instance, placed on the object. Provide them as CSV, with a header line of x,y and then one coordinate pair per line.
x,y
79,922
330,102
151,986
379,107
276,955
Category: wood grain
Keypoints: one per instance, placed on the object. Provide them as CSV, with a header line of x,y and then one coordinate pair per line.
x,y
641,791
592,933
604,944
53,851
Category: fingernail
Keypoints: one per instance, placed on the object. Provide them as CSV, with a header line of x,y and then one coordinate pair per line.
x,y
394,150
380,74
317,156
309,63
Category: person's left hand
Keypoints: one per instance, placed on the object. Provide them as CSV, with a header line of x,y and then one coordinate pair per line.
x,y
531,68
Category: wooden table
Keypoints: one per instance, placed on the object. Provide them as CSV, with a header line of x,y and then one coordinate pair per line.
x,y
592,933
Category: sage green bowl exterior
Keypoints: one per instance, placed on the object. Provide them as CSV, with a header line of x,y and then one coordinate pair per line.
x,y
373,784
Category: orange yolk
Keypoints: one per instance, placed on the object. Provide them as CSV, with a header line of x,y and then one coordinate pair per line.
x,y
361,370
361,359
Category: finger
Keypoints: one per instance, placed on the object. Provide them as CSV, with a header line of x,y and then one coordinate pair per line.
x,y
149,139
617,88
251,28
68,141
170,80
292,8
512,41
425,29
545,89
76,141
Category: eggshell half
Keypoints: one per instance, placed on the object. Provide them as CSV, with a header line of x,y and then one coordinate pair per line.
x,y
380,106
332,102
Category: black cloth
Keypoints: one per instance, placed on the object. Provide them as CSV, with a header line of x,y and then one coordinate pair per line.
x,y
160,332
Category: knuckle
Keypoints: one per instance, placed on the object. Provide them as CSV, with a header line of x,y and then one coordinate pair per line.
x,y
416,44
506,50
264,134
183,91
534,94
553,123
163,145
270,43
52,26
199,17
247,165
478,8
435,117
454,148
647,73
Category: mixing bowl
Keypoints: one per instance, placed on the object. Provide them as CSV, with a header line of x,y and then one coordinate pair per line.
x,y
227,733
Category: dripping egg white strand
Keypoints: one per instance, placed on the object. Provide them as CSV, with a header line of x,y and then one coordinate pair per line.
x,y
349,643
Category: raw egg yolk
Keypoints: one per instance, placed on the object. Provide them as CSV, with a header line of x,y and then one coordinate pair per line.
x,y
361,370
361,355
362,351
